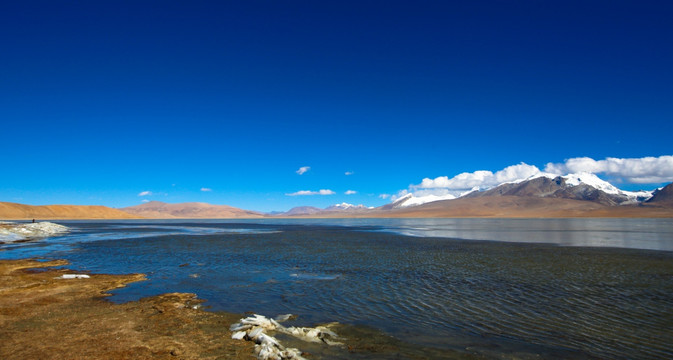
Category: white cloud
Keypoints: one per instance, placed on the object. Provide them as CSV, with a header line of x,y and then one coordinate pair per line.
x,y
145,201
348,173
480,178
350,192
646,170
309,192
204,189
384,196
303,169
145,193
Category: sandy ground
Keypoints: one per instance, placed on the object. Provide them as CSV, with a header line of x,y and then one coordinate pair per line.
x,y
14,211
45,317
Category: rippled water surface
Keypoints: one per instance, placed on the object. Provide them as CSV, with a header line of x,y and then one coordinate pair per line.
x,y
430,283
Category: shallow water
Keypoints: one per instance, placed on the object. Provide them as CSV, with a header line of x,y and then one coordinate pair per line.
x,y
427,282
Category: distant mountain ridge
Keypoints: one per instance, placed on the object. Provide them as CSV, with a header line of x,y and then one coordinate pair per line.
x,y
14,211
559,187
663,195
343,208
543,195
189,210
580,186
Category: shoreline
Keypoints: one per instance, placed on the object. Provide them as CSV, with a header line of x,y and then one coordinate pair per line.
x,y
46,315
43,315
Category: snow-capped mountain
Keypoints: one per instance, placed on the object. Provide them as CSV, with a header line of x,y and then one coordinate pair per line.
x,y
310,210
579,186
345,207
411,200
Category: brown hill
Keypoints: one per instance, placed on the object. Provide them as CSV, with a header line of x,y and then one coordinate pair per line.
x,y
511,206
302,210
553,188
663,196
13,211
191,210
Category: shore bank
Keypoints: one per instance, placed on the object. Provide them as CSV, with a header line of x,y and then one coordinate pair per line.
x,y
43,315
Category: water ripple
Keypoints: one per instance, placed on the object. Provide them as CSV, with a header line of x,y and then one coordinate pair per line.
x,y
522,299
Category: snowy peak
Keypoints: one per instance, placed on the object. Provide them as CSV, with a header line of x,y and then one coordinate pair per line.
x,y
591,180
398,203
594,181
411,200
314,211
345,207
578,186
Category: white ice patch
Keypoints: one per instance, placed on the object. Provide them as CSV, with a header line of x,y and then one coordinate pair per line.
x,y
11,232
253,328
74,276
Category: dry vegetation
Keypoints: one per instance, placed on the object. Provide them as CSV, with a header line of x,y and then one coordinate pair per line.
x,y
44,317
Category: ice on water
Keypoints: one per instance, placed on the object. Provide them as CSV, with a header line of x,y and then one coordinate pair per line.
x,y
12,232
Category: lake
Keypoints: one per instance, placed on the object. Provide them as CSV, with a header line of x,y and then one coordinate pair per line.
x,y
426,288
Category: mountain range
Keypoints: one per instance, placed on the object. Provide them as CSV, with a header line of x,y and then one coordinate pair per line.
x,y
544,195
14,211
343,208
190,210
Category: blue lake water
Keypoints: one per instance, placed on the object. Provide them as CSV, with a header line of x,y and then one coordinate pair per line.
x,y
437,288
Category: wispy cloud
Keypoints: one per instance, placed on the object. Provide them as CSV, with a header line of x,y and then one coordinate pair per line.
x,y
145,193
350,192
645,170
384,196
303,170
309,192
205,189
145,201
349,173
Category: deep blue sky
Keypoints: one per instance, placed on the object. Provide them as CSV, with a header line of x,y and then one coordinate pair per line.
x,y
101,100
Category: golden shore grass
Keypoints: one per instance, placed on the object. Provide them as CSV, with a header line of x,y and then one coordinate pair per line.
x,y
45,317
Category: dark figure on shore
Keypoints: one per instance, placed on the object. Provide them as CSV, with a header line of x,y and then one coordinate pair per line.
x,y
33,221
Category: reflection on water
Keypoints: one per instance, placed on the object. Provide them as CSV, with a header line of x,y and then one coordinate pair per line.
x,y
653,234
439,295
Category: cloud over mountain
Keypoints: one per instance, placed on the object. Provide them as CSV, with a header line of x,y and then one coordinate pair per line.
x,y
145,193
480,178
646,170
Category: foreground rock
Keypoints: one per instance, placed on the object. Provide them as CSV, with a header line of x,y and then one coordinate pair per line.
x,y
254,328
46,316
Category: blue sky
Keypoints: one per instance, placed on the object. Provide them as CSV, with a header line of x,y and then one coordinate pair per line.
x,y
103,100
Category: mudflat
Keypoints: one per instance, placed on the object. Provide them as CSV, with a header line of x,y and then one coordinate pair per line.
x,y
46,316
